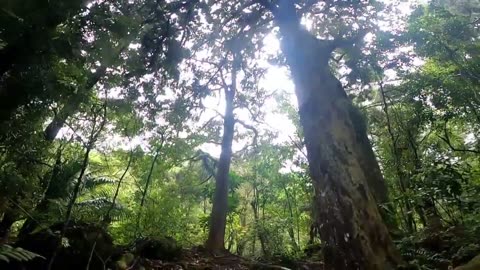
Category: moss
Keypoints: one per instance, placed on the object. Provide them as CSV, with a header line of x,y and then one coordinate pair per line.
x,y
358,120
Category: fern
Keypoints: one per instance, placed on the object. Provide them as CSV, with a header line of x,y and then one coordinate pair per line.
x,y
122,214
98,206
19,254
91,182
95,203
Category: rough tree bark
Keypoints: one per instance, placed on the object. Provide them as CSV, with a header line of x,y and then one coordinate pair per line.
x,y
343,167
216,234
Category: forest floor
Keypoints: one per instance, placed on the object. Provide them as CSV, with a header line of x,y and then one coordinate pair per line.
x,y
75,253
83,244
199,258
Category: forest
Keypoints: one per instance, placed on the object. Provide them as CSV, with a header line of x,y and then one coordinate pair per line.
x,y
240,134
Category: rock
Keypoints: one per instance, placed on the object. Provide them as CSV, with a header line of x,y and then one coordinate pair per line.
x,y
465,253
474,264
314,252
165,248
125,261
75,250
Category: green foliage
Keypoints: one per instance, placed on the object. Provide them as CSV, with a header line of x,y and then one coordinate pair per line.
x,y
440,249
157,68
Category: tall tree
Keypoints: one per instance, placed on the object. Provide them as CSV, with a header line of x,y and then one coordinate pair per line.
x,y
220,207
216,234
343,168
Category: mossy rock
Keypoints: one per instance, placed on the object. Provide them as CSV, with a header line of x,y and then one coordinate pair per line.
x,y
164,248
74,249
474,264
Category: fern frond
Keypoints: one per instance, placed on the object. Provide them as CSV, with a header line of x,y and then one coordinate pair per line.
x,y
19,254
97,203
91,182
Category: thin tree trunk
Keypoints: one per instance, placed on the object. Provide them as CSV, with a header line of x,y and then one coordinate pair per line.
x,y
433,219
259,228
254,205
71,203
50,192
216,234
12,96
30,224
6,224
402,179
290,229
147,185
427,211
107,217
243,224
90,144
8,56
343,168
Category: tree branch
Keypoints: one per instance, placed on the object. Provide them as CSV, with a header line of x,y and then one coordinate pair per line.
x,y
447,140
250,127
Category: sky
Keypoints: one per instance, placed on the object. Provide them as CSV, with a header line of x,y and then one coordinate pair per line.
x,y
276,79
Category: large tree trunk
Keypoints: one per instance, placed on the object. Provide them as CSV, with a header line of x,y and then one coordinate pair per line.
x,y
343,168
218,219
